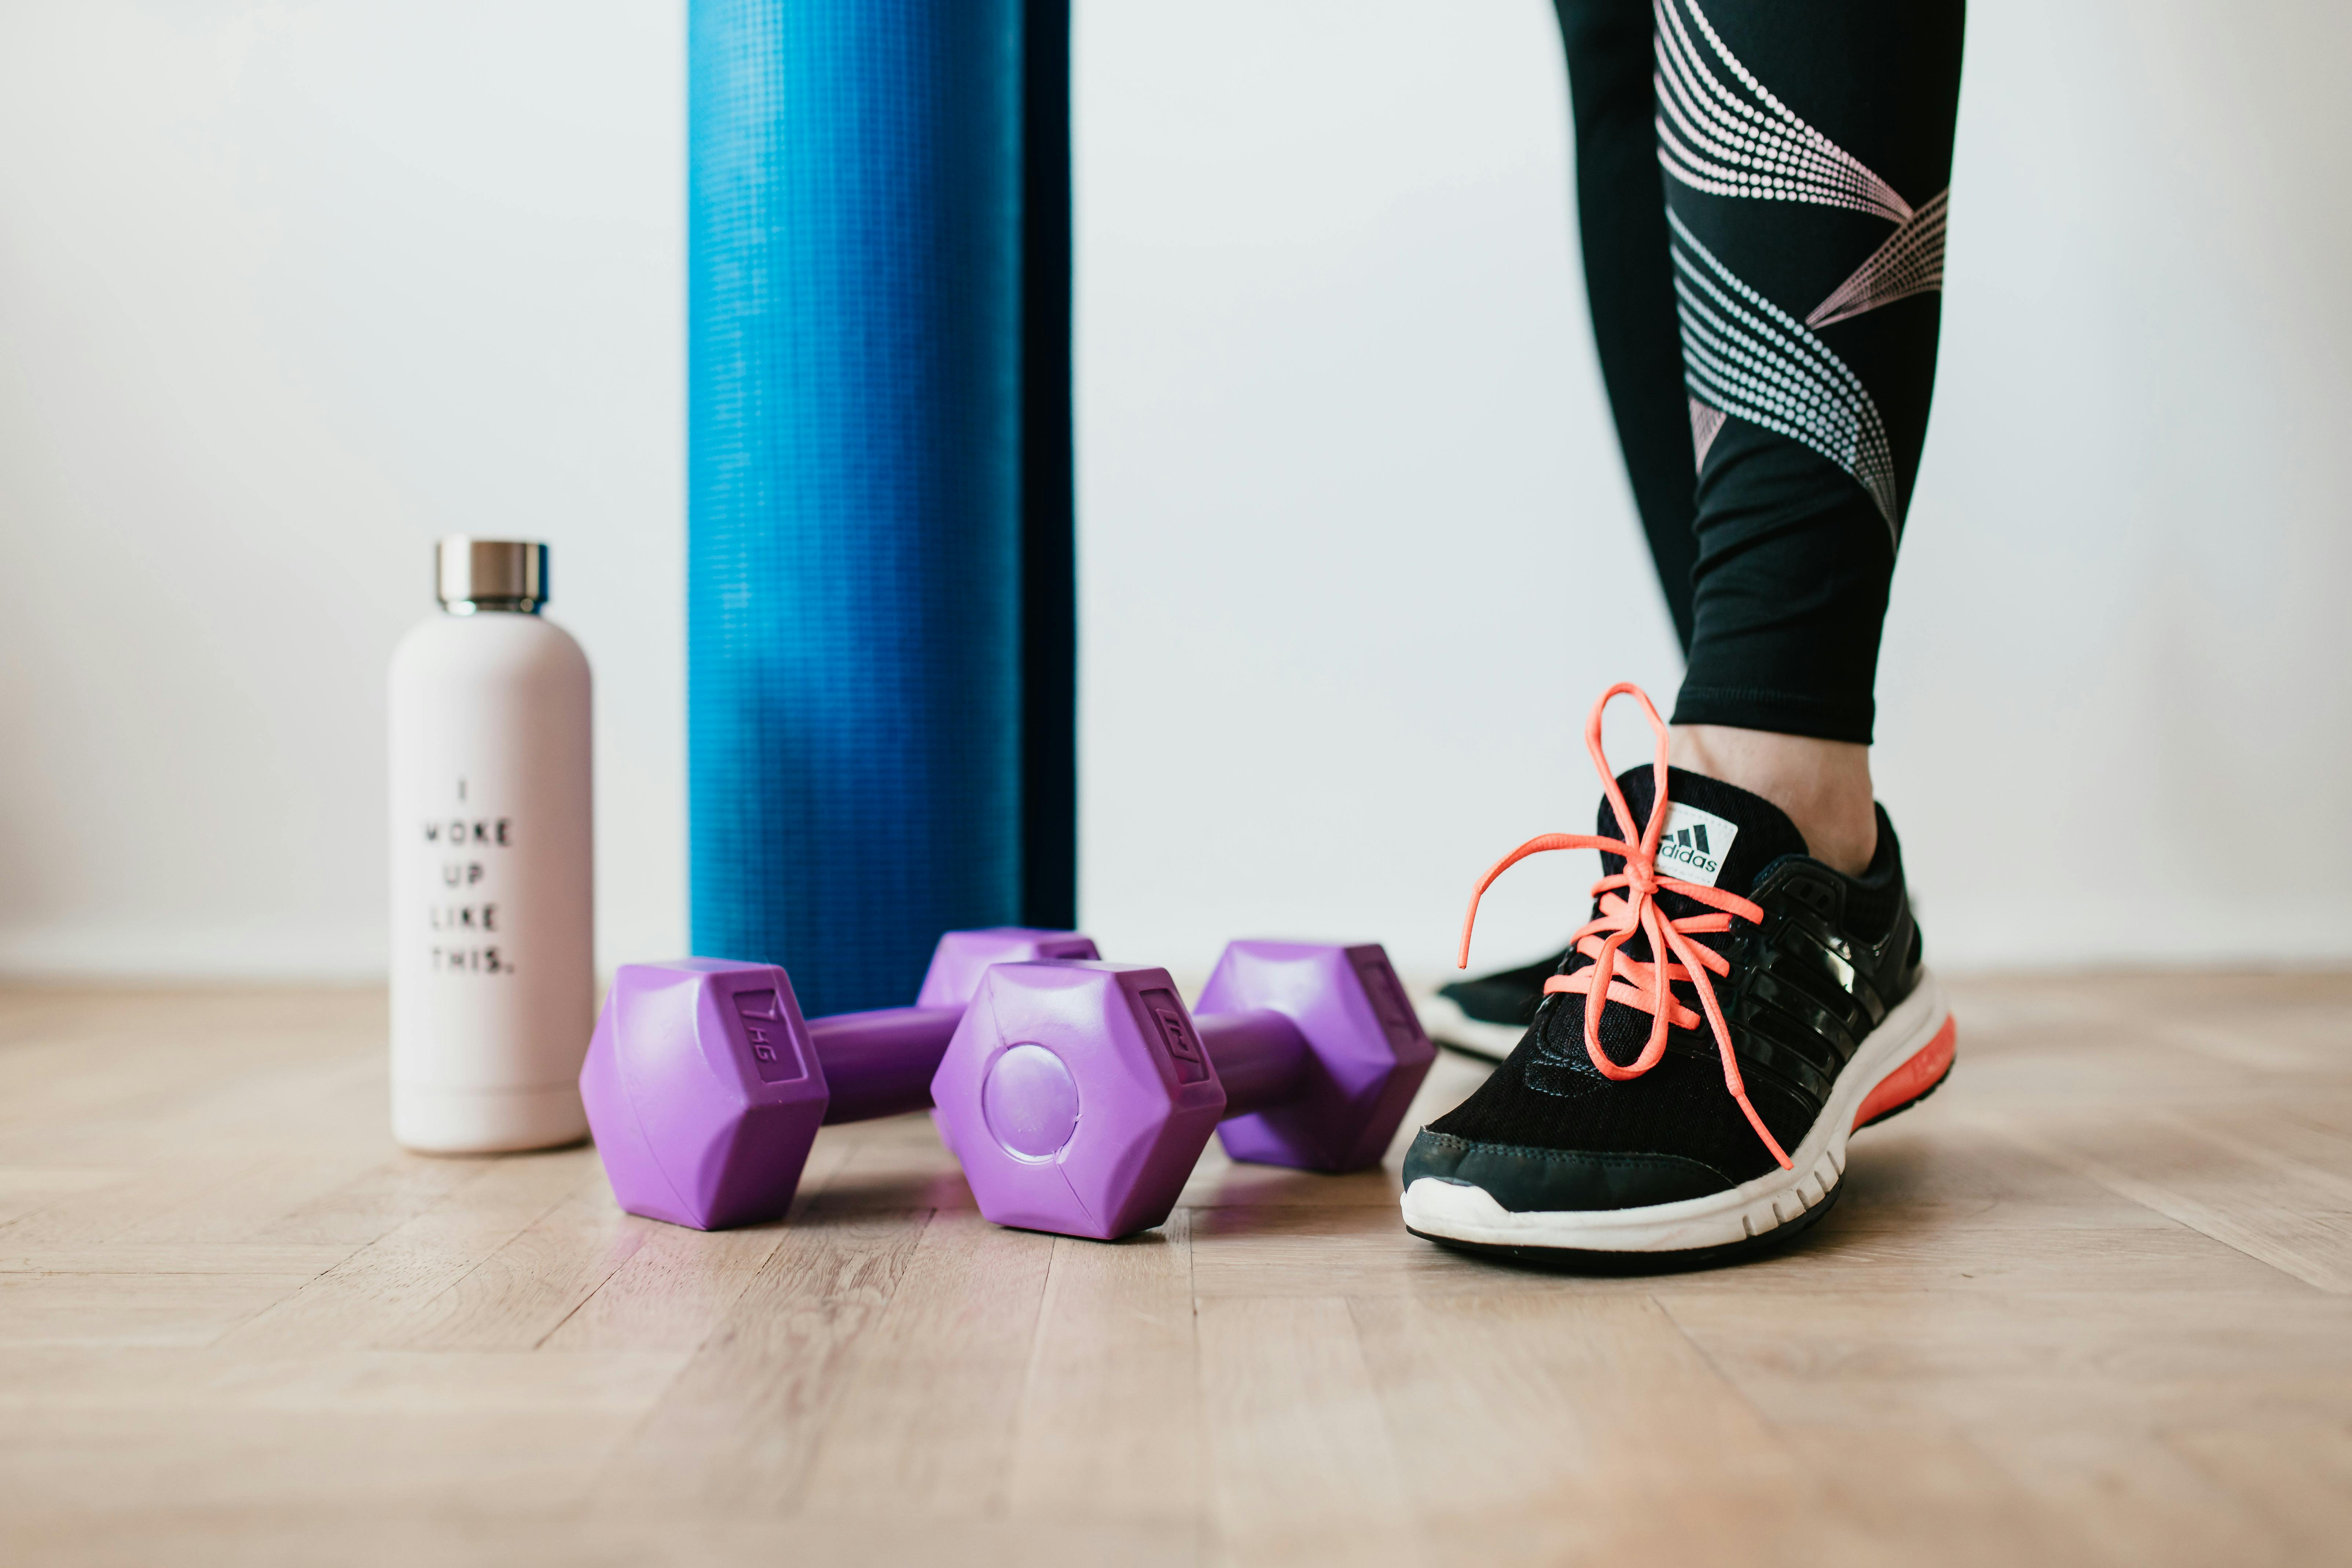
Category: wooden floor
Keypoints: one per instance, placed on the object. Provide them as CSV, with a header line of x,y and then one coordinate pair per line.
x,y
2092,1303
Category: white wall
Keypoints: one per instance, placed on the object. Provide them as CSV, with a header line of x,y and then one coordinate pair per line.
x,y
287,289
1355,530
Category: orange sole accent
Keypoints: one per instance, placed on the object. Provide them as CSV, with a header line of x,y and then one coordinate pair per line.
x,y
1914,1078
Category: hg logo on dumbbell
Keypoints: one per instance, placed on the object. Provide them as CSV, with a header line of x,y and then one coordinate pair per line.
x,y
769,1036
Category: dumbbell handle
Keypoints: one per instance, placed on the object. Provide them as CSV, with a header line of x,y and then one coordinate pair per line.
x,y
880,1063
1259,1054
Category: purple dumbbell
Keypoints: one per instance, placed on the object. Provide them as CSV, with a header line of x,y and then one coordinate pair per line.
x,y
1079,1096
705,1087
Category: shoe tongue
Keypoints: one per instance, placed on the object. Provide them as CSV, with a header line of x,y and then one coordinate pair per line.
x,y
1716,834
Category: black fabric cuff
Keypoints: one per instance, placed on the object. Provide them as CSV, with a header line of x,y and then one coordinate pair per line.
x,y
1777,712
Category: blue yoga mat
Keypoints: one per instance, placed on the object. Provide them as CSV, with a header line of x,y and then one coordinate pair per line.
x,y
855,532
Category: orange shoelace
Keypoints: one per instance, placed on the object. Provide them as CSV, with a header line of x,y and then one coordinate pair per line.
x,y
1628,905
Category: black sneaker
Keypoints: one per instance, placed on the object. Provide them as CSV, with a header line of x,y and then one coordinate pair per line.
x,y
1712,1141
1485,1016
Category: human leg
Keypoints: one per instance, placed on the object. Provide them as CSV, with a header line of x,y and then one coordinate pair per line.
x,y
1629,279
1767,330
1807,146
1751,988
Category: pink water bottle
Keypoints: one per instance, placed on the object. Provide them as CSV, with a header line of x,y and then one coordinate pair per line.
x,y
493,888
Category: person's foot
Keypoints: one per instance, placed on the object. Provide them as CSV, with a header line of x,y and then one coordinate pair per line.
x,y
1485,1016
1724,1131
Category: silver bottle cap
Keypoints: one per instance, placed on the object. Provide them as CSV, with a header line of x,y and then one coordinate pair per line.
x,y
472,575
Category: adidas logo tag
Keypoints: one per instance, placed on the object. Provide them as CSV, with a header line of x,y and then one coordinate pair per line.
x,y
1695,844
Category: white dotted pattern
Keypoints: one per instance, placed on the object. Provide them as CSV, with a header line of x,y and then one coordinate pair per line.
x,y
1747,357
1733,138
1910,262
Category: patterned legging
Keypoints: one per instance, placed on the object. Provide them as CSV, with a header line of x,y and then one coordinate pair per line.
x,y
1767,330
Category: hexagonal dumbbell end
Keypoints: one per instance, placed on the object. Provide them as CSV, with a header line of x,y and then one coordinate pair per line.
x,y
1068,1104
963,956
705,1087
1079,1096
703,1091
1366,1051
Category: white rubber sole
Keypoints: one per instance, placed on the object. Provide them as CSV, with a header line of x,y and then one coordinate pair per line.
x,y
1448,1024
1446,1209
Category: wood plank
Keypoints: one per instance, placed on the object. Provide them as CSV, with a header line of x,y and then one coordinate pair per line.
x,y
738,1432
1924,1497
392,1383
1110,1420
178,1309
297,1465
232,1214
381,1536
2296,1477
1221,1183
1300,1464
387,1290
1560,1426
894,1163
523,1292
930,1406
2300,1038
2135,1502
377,1200
1870,1241
2015,1360
27,1189
2294,1217
193,1257
97,1213
672,1292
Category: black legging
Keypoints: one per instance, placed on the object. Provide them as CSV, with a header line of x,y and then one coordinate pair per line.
x,y
1767,331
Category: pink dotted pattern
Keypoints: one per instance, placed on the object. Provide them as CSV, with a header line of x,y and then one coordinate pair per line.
x,y
1910,262
1707,423
1722,132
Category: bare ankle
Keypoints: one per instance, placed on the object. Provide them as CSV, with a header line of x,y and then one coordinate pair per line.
x,y
1823,785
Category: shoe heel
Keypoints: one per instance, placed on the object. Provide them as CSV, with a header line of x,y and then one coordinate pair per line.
x,y
1913,1080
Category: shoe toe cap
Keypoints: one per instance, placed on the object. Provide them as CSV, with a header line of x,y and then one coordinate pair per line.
x,y
1527,1180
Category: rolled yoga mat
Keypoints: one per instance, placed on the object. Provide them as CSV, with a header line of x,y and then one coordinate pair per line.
x,y
879,604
